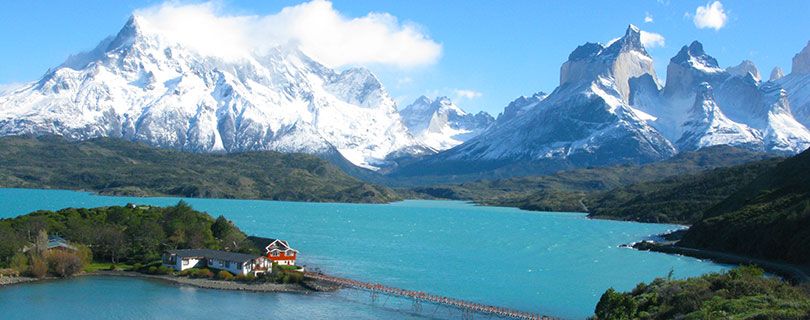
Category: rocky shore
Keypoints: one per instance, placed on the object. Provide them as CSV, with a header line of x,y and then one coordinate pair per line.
x,y
8,281
789,271
310,285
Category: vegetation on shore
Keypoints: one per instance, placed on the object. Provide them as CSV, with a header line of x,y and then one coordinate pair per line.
x,y
678,199
564,190
129,234
115,166
742,293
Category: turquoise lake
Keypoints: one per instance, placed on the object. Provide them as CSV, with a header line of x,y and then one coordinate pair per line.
x,y
557,264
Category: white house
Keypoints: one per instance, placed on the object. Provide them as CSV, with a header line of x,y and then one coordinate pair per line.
x,y
235,263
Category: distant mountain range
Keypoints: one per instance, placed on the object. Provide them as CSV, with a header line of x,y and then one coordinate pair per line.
x,y
610,108
144,86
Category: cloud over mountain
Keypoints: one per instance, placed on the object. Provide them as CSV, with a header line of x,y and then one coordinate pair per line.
x,y
315,27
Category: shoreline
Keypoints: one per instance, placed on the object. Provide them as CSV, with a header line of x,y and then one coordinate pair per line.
x,y
307,287
793,272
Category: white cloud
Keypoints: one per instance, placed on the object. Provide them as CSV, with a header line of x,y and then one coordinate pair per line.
x,y
648,18
652,40
315,27
710,16
467,94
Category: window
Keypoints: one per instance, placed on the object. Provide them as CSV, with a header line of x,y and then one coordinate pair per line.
x,y
290,253
220,263
227,264
239,266
274,254
185,262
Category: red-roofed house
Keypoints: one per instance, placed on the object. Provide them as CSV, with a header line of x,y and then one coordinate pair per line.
x,y
278,251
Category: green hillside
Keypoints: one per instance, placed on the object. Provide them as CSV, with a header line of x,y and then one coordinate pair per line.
x,y
117,167
768,218
678,199
562,191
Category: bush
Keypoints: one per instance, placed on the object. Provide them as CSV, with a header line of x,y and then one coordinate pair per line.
x,y
184,273
152,270
112,267
19,262
246,277
37,267
224,275
64,264
201,273
292,277
137,267
163,270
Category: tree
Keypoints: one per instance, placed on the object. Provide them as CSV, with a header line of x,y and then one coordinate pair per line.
x,y
221,227
615,306
41,243
37,266
64,264
111,240
19,262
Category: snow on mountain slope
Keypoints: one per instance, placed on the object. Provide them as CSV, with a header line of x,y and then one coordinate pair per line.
x,y
708,126
738,94
586,120
745,67
797,84
440,124
142,85
776,74
520,106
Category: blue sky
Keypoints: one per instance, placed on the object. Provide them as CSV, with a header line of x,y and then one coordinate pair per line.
x,y
489,52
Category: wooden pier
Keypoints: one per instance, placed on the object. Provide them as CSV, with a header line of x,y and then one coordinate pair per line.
x,y
465,306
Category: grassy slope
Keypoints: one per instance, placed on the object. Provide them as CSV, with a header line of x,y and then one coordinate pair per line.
x,y
768,218
119,167
677,199
562,191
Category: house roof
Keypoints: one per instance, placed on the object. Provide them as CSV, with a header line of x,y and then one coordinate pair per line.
x,y
265,242
213,254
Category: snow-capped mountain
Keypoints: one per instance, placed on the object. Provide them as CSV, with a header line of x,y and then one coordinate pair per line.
x,y
797,84
142,85
738,94
708,126
585,121
776,74
745,67
519,106
440,124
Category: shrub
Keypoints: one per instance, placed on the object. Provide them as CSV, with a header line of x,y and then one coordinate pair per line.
x,y
152,270
163,270
112,267
64,264
224,275
137,266
184,273
19,262
292,277
201,273
37,267
246,277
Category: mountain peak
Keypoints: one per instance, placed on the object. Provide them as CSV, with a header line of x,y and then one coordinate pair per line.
x,y
801,61
695,56
776,74
745,67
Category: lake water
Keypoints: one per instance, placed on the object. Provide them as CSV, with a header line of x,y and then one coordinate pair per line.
x,y
550,263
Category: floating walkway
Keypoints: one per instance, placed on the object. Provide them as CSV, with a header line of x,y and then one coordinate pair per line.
x,y
465,306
